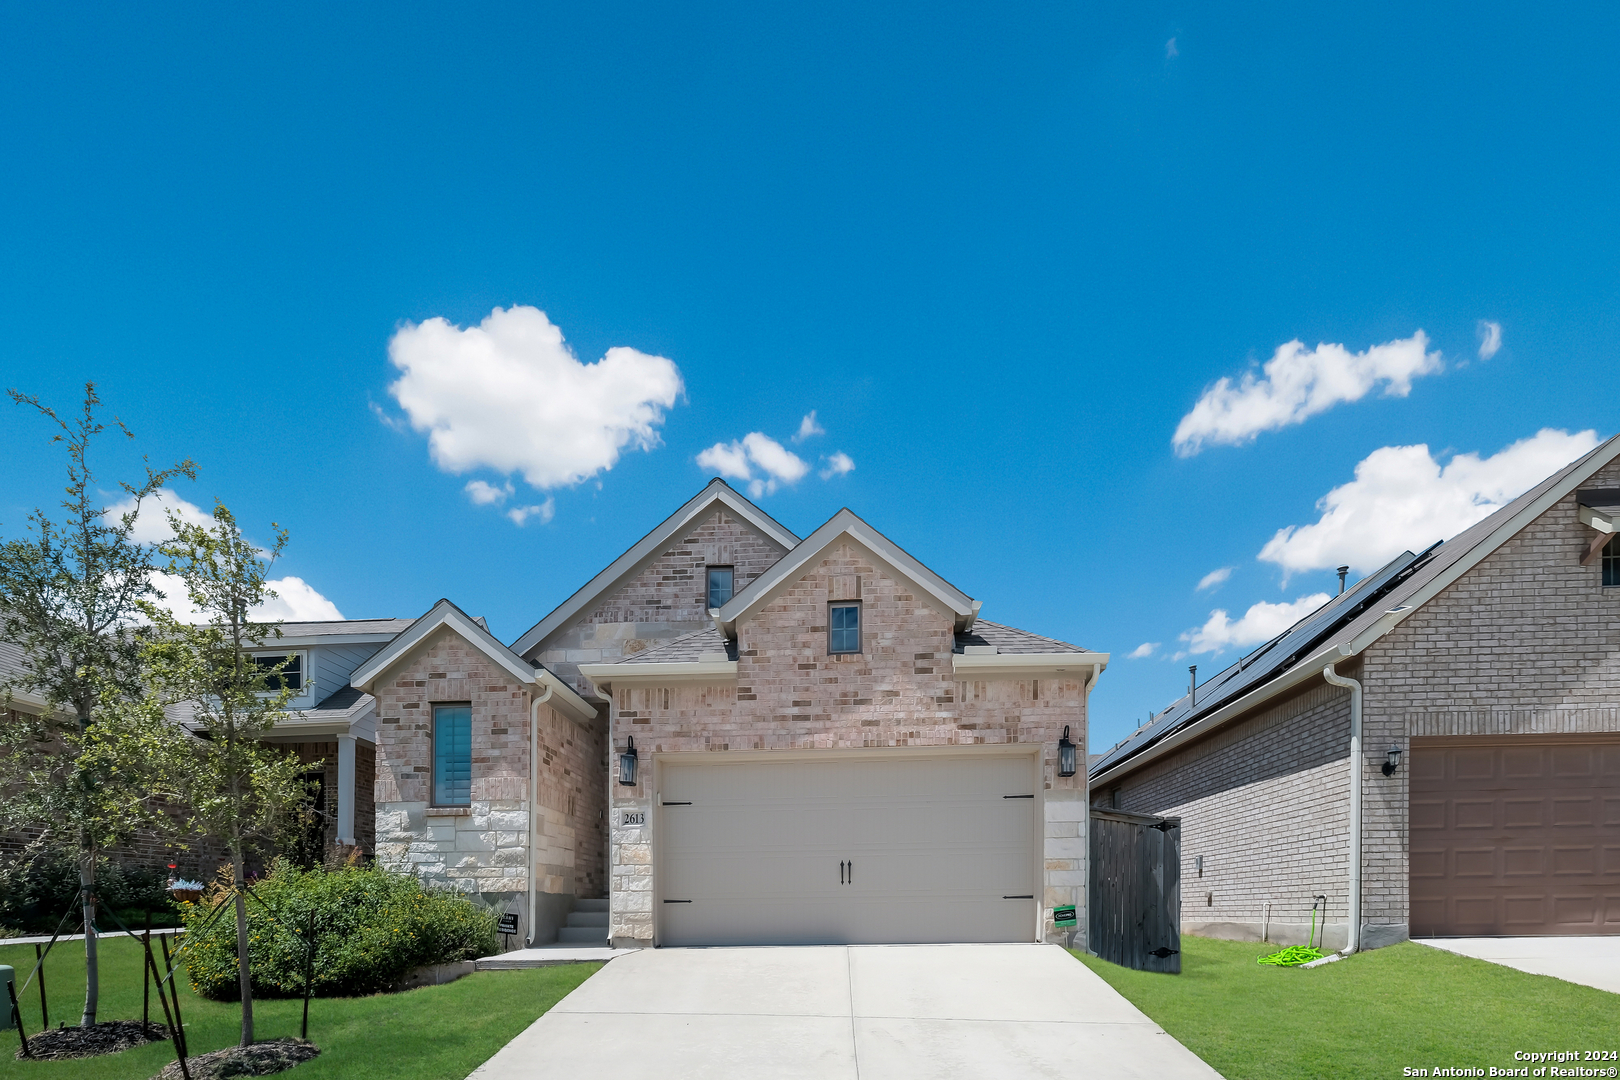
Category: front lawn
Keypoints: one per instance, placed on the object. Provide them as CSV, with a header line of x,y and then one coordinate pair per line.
x,y
436,1033
1368,1016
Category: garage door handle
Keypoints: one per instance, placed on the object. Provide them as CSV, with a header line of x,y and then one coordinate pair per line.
x,y
677,901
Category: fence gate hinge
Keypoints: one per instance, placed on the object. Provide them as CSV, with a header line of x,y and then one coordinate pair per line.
x,y
1163,951
1163,826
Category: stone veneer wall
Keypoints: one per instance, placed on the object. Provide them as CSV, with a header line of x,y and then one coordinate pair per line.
x,y
668,598
1525,643
900,691
1263,802
484,848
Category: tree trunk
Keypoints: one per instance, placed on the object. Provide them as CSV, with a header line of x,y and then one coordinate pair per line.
x,y
243,975
92,966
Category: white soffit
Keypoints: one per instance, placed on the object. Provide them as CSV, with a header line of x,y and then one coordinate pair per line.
x,y
846,523
650,547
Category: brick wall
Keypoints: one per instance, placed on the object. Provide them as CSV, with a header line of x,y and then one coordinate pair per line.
x,y
483,848
791,695
1263,801
667,598
1527,642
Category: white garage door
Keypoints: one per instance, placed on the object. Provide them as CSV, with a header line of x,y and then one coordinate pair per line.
x,y
849,850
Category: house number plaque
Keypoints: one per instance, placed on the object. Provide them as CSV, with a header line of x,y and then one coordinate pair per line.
x,y
635,817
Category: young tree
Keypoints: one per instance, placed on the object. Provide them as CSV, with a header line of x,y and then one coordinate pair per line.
x,y
237,789
69,594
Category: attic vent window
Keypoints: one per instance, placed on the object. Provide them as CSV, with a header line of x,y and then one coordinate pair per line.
x,y
720,585
1611,563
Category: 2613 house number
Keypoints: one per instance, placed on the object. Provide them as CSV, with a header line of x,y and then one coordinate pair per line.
x,y
635,817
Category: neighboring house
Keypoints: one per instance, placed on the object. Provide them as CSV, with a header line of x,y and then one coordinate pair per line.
x,y
1488,673
738,736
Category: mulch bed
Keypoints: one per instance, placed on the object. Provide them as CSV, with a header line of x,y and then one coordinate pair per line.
x,y
260,1059
108,1037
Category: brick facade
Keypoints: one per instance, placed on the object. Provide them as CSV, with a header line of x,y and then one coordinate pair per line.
x,y
790,694
484,848
666,599
1262,802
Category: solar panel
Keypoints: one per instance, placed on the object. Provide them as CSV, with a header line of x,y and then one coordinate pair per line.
x,y
1269,660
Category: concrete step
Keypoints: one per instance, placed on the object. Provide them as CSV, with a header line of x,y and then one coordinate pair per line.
x,y
588,918
591,905
582,935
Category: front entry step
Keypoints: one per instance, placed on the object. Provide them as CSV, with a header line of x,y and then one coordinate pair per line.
x,y
587,924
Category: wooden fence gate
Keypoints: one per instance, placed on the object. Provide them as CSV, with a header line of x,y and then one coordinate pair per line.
x,y
1135,897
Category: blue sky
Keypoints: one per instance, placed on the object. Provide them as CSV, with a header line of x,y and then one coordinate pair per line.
x,y
1001,251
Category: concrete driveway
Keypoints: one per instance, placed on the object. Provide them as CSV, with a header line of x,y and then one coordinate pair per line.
x,y
877,1012
1590,961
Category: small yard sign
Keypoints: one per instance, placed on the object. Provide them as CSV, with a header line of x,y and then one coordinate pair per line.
x,y
507,924
1063,916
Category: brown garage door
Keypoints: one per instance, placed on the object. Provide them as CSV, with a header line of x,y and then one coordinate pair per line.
x,y
1515,835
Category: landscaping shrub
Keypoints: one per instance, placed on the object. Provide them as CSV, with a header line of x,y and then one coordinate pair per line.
x,y
34,892
371,927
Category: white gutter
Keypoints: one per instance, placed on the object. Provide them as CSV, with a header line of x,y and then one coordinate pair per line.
x,y
969,665
604,676
534,793
1356,767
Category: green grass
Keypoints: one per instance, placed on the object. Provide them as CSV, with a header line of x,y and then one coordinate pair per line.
x,y
1368,1016
435,1033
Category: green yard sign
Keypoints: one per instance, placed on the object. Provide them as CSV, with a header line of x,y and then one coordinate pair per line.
x,y
1063,916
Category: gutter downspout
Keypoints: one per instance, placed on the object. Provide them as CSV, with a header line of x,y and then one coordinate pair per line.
x,y
534,792
1335,679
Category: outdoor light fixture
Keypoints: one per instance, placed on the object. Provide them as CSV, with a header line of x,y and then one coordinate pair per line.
x,y
627,763
1392,760
1065,754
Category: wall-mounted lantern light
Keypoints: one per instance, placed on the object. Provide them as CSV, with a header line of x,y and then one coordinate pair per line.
x,y
627,764
1392,760
1066,755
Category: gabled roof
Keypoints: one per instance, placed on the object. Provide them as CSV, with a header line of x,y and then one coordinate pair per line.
x,y
846,523
692,647
1345,625
446,615
649,547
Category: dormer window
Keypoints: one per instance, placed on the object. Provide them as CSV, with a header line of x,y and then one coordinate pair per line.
x,y
720,585
1611,563
291,676
844,629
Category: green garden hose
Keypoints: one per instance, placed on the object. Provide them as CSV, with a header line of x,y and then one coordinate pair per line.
x,y
1295,955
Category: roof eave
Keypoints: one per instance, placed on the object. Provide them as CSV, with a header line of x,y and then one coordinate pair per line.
x,y
606,676
990,665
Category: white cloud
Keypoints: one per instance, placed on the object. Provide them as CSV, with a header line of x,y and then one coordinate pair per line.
x,y
295,601
510,395
1143,651
483,494
1297,384
152,523
808,427
545,512
739,459
1170,50
1490,338
1214,578
1262,622
838,464
1403,499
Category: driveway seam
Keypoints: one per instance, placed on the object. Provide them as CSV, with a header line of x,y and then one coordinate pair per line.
x,y
854,1039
